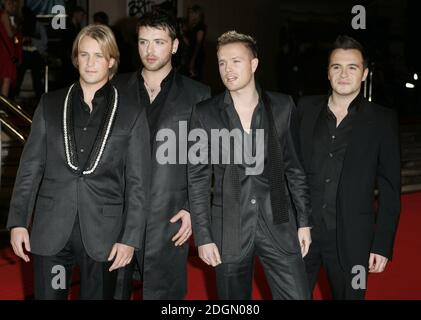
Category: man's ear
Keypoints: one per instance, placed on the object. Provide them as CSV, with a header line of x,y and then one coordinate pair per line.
x,y
365,74
111,63
175,44
254,64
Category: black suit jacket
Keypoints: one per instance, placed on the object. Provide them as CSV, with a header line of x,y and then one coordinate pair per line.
x,y
372,159
207,215
111,202
162,262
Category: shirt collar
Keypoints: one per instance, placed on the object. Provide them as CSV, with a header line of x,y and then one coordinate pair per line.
x,y
101,95
229,102
166,80
354,105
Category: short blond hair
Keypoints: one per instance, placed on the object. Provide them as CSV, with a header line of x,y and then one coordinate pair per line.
x,y
236,37
106,40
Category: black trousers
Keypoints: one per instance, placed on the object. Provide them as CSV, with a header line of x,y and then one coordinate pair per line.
x,y
96,282
285,272
324,252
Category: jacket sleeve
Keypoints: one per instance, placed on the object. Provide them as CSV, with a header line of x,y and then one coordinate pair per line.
x,y
137,177
199,179
30,172
295,175
389,186
206,95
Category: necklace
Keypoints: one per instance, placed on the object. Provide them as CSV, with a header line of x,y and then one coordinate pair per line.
x,y
68,137
151,91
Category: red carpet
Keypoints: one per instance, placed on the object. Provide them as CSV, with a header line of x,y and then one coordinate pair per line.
x,y
402,279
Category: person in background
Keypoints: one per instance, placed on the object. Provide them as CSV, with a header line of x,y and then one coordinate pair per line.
x,y
35,43
10,47
194,34
73,26
101,17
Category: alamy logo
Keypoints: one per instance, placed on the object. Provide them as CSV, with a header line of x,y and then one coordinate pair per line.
x,y
59,19
359,21
359,281
58,282
222,147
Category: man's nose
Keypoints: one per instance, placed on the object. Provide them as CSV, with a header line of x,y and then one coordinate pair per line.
x,y
149,48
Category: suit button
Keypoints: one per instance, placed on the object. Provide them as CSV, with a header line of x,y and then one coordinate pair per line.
x,y
253,201
330,155
82,150
333,137
327,180
84,129
324,206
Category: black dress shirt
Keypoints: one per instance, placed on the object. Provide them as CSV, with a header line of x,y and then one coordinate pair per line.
x,y
87,123
329,148
154,108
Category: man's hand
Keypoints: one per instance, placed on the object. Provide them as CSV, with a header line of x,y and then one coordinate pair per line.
x,y
185,230
376,263
17,237
123,255
209,253
304,237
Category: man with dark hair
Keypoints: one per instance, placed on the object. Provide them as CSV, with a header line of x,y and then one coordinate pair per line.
x,y
169,98
347,43
249,213
349,147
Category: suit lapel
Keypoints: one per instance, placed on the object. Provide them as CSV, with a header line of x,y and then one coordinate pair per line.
x,y
226,113
132,93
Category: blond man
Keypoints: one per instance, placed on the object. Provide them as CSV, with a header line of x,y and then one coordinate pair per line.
x,y
83,173
252,212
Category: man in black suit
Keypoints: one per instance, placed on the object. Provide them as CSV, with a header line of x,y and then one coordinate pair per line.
x,y
85,170
349,147
168,98
258,208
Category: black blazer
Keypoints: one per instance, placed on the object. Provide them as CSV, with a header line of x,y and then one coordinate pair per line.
x,y
207,215
372,159
168,190
111,202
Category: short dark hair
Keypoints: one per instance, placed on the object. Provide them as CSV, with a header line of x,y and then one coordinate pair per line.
x,y
159,19
235,37
347,43
101,17
198,10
